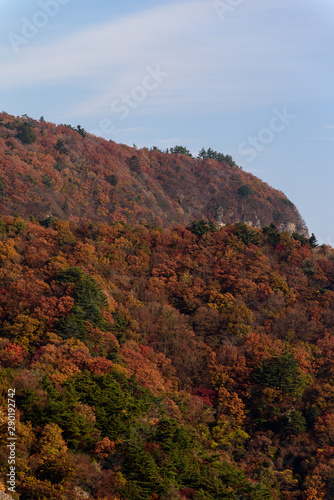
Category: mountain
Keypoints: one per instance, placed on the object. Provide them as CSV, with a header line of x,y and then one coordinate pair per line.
x,y
155,342
60,171
161,364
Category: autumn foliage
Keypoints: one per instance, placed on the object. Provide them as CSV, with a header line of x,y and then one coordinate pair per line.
x,y
158,362
155,353
60,172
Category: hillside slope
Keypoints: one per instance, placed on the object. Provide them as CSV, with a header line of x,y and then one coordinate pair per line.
x,y
55,170
158,364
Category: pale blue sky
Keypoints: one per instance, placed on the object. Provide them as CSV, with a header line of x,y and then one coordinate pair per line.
x,y
250,78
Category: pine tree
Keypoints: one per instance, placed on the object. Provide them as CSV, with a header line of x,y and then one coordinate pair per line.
x,y
313,241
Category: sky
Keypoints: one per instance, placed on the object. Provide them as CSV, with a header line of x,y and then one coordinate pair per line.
x,y
250,78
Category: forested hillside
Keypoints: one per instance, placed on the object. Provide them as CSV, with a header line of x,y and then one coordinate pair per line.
x,y
64,172
162,363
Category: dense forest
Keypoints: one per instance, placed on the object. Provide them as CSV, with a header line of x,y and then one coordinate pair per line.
x,y
150,362
69,174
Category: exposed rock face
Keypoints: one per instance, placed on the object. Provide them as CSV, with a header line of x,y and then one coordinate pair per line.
x,y
291,228
3,496
220,217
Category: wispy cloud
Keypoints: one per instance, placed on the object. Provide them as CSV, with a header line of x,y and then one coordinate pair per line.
x,y
113,46
244,62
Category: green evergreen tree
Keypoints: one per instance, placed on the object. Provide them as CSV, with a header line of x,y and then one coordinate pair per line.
x,y
272,234
26,133
180,150
89,301
81,131
281,372
202,154
244,191
247,234
313,241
